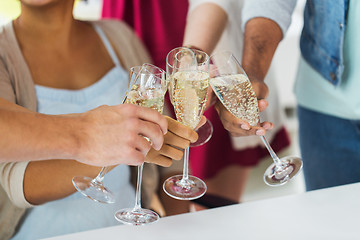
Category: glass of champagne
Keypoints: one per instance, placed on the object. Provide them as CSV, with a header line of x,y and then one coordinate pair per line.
x,y
204,132
233,88
188,75
94,188
148,88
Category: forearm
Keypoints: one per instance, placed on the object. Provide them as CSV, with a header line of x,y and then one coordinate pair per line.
x,y
204,27
51,180
28,135
265,22
261,39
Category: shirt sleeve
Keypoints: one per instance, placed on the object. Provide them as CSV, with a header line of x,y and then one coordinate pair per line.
x,y
11,174
6,88
224,4
279,11
12,179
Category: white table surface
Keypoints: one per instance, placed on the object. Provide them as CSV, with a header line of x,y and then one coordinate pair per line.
x,y
332,213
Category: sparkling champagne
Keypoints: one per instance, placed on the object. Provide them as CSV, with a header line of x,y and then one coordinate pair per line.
x,y
149,97
189,95
236,94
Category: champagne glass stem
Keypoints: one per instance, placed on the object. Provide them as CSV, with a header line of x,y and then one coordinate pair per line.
x,y
276,159
100,177
138,188
186,164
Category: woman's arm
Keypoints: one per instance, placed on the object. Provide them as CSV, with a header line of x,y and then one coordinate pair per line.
x,y
51,180
93,137
204,27
110,133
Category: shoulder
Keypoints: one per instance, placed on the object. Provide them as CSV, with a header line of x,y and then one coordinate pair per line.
x,y
127,45
9,48
3,29
117,31
6,48
6,36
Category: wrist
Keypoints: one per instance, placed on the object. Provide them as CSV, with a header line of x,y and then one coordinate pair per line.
x,y
73,141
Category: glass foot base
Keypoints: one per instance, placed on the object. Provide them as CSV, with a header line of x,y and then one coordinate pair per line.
x,y
178,188
94,190
277,176
136,217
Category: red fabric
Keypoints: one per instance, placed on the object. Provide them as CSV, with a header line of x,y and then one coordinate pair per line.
x,y
161,24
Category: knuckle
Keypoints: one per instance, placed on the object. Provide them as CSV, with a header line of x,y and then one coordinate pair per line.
x,y
136,157
131,138
134,124
188,133
130,109
129,152
147,148
182,143
164,161
164,121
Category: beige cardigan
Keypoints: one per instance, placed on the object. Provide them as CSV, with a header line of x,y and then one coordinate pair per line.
x,y
16,85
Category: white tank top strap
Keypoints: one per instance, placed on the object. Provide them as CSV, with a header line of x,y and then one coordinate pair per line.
x,y
107,45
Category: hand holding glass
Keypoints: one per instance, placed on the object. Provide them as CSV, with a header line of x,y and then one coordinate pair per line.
x,y
147,89
188,74
233,88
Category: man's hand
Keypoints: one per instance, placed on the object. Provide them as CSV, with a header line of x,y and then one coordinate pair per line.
x,y
114,135
238,127
176,139
261,38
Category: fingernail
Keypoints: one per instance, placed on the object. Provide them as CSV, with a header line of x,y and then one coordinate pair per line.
x,y
245,127
260,132
268,126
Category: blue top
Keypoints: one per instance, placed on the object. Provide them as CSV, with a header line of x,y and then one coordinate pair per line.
x,y
322,38
77,213
343,101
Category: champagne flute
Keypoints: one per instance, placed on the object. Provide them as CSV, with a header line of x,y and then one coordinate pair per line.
x,y
94,188
205,132
148,90
188,71
233,88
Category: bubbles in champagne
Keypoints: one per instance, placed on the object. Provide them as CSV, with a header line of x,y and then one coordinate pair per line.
x,y
148,97
236,94
189,95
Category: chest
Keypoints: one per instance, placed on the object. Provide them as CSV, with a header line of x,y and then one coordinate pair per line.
x,y
70,68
